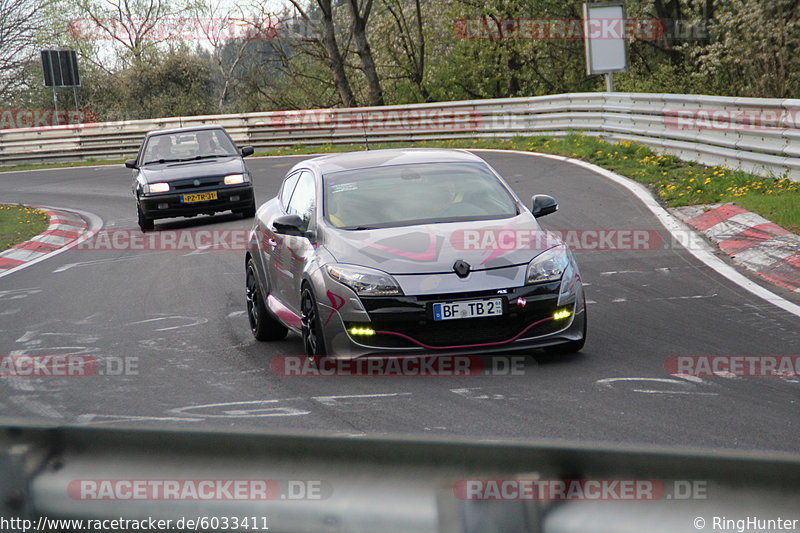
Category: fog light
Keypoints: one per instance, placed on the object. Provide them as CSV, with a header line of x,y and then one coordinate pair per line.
x,y
163,206
234,198
561,314
362,331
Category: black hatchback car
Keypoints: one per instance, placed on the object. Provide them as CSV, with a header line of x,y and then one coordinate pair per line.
x,y
185,172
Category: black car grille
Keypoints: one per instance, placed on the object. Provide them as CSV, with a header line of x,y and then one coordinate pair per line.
x,y
412,317
179,185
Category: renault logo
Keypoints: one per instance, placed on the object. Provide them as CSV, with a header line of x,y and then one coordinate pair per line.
x,y
196,183
461,268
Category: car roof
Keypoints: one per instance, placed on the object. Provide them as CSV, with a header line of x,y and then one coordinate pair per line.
x,y
185,129
380,158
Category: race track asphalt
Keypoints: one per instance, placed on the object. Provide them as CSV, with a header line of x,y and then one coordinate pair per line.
x,y
180,315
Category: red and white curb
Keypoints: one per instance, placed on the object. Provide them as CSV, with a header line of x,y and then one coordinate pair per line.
x,y
751,240
65,229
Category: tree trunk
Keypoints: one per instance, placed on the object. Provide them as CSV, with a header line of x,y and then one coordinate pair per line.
x,y
335,60
359,27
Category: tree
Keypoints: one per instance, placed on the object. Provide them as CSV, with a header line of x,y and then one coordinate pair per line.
x,y
326,37
359,14
20,24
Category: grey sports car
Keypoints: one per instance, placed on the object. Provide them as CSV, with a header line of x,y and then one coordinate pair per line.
x,y
409,252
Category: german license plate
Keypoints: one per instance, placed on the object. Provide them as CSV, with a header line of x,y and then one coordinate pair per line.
x,y
199,197
468,309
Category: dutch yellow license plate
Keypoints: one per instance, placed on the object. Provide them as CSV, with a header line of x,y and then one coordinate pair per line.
x,y
199,197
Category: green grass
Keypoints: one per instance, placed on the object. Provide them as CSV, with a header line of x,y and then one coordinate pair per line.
x,y
677,183
19,223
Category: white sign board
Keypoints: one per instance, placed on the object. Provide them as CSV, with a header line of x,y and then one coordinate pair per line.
x,y
604,38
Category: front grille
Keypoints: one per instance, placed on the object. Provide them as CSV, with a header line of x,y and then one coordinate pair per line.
x,y
203,182
413,317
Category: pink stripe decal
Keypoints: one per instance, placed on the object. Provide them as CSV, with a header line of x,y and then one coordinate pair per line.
x,y
512,339
283,313
337,302
427,255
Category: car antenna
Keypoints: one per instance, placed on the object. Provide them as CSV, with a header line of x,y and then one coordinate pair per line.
x,y
364,127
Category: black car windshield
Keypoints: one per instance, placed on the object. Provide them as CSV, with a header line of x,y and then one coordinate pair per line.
x,y
423,193
188,145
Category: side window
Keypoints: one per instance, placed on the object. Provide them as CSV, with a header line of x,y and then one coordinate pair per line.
x,y
303,199
288,187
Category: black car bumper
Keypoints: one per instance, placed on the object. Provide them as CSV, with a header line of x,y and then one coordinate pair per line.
x,y
172,205
406,324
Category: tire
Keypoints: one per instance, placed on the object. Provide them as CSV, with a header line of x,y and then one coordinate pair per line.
x,y
313,339
262,324
145,224
571,346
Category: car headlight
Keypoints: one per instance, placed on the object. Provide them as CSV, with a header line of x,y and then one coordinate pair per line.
x,y
548,266
234,179
365,281
156,187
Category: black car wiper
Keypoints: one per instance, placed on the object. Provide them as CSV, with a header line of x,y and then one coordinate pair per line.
x,y
359,228
163,161
207,156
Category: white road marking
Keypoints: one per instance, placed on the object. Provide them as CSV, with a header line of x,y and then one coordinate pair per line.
x,y
684,386
236,313
91,418
332,400
193,321
132,257
242,413
647,391
18,294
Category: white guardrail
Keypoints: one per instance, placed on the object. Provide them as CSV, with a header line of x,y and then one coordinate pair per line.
x,y
753,134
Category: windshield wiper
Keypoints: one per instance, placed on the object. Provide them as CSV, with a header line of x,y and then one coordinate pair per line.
x,y
163,161
206,156
359,228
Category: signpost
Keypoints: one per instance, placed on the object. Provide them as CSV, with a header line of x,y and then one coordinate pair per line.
x,y
60,69
604,40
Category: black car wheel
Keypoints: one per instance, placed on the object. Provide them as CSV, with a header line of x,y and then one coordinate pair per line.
x,y
262,324
145,224
313,340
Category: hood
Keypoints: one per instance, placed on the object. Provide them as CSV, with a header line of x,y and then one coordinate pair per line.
x,y
434,248
193,169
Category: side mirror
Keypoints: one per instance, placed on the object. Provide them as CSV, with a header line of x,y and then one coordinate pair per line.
x,y
289,225
130,163
543,204
247,150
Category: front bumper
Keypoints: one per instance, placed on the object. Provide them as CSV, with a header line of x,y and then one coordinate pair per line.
x,y
405,325
171,205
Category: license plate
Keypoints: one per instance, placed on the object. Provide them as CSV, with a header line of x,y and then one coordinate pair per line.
x,y
199,197
468,309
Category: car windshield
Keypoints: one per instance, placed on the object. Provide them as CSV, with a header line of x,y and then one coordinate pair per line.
x,y
188,145
403,195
